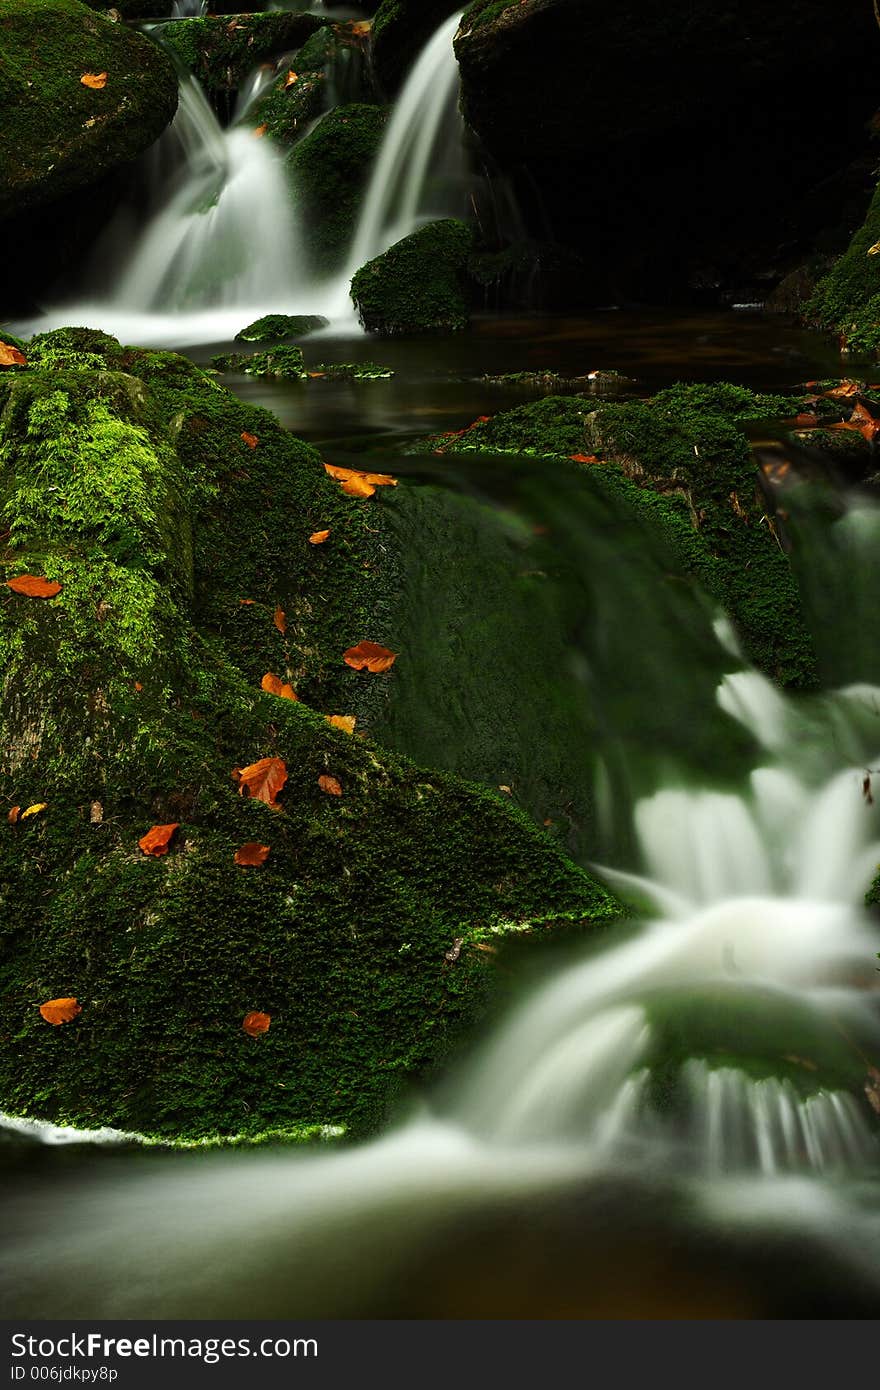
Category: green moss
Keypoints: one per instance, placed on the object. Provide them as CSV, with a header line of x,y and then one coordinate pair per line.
x,y
272,328
281,363
128,699
330,169
352,371
58,136
847,301
221,53
288,110
419,284
683,461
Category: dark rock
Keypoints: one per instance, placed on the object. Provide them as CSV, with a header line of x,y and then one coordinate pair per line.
x,y
400,31
419,285
221,52
330,168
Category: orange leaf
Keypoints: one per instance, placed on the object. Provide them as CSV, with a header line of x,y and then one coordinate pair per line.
x,y
331,785
14,813
35,810
247,602
260,131
11,356
843,391
369,656
345,722
318,537
256,1023
138,687
273,685
34,585
157,840
583,458
806,421
262,780
96,80
358,487
280,620
57,1011
251,440
252,854
291,78
358,484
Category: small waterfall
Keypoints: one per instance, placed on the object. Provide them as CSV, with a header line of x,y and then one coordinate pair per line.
x,y
188,9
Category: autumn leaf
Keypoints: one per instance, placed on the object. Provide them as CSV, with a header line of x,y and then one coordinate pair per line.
x,y
583,458
252,854
318,537
251,440
358,484
260,131
34,585
865,423
331,785
157,840
96,80
35,810
279,618
262,780
362,28
345,722
806,421
13,814
11,356
256,1023
291,78
369,656
58,1011
875,249
843,391
273,685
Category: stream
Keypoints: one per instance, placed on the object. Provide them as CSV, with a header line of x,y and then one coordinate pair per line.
x,y
670,1121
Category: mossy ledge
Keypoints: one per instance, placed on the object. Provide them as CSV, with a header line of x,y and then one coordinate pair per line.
x,y
683,462
127,701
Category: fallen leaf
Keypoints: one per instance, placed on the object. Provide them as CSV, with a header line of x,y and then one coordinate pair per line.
x,y
260,131
13,815
290,79
358,487
583,458
58,1011
157,840
273,685
256,1023
96,80
875,249
369,656
806,421
251,440
96,813
318,537
508,791
252,854
35,810
345,722
247,602
34,585
867,424
331,785
358,484
11,356
262,780
843,391
280,620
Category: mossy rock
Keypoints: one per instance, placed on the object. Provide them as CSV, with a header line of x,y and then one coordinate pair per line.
x,y
683,461
401,29
57,136
351,371
288,108
847,300
273,328
222,52
329,170
176,519
279,363
419,285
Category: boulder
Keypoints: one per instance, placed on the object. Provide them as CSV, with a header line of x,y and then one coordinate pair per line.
x,y
419,285
401,29
221,52
329,169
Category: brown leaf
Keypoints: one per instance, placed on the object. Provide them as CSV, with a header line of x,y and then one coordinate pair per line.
x,y
260,131
583,458
331,785
58,1011
369,656
358,484
251,440
273,685
291,78
96,813
256,1023
13,815
806,421
252,854
318,537
96,80
345,722
34,585
280,620
157,840
843,391
247,602
262,780
11,356
35,810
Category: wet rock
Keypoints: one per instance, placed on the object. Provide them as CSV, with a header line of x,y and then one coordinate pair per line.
x,y
272,328
401,29
281,363
221,52
330,169
419,285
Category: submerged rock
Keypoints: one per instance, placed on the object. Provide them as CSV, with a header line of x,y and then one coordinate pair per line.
x,y
419,285
176,520
272,328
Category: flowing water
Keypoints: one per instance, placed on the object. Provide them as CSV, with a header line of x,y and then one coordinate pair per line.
x,y
677,1120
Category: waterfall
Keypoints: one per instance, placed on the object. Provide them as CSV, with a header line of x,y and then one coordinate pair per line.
x,y
188,9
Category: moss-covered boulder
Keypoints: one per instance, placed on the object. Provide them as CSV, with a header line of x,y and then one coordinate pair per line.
x,y
847,301
683,462
419,285
281,363
737,99
274,328
401,29
329,169
331,69
59,136
222,52
175,520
